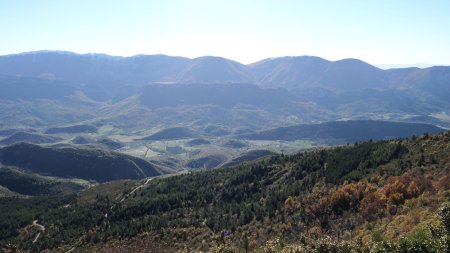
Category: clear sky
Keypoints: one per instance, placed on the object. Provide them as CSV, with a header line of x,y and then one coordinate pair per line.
x,y
376,31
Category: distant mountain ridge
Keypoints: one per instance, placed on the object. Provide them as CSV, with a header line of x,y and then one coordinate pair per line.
x,y
100,69
305,72
30,138
293,72
290,72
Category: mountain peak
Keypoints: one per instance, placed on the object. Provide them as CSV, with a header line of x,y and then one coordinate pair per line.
x,y
298,59
352,62
212,69
305,72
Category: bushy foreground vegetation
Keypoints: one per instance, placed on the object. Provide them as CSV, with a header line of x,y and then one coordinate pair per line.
x,y
385,196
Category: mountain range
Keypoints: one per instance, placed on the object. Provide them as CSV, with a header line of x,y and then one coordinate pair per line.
x,y
291,72
275,91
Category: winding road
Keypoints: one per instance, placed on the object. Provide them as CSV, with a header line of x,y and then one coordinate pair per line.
x,y
135,189
39,227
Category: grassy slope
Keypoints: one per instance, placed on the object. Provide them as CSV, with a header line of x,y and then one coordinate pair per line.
x,y
5,192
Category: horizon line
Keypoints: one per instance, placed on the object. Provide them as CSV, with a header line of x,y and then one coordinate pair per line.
x,y
378,65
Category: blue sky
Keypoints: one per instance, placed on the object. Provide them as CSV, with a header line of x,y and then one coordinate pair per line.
x,y
381,31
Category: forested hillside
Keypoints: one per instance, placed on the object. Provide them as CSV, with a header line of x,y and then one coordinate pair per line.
x,y
26,183
373,196
89,164
346,131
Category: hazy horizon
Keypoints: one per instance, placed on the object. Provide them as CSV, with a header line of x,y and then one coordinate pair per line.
x,y
382,32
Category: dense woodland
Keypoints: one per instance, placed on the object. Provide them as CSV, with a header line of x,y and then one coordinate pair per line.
x,y
27,183
89,164
385,196
339,132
